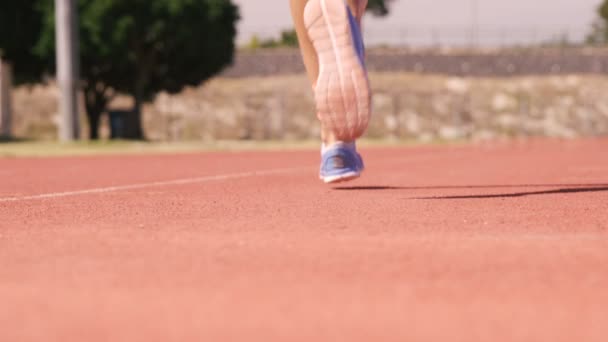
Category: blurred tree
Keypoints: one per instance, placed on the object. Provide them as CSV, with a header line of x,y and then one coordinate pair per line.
x,y
143,47
289,38
254,42
379,7
20,25
599,30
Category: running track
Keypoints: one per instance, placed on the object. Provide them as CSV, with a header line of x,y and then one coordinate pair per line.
x,y
499,242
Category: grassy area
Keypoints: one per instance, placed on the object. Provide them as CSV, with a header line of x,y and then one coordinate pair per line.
x,y
13,149
50,149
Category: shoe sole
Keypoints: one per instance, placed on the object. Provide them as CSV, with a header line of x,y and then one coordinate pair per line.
x,y
341,178
342,92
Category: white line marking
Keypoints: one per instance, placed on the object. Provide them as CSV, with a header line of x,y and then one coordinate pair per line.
x,y
150,185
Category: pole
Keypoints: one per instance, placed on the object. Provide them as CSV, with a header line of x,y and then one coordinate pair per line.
x,y
474,23
6,84
67,68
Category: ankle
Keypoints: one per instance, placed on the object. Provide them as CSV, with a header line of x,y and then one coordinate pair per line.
x,y
348,145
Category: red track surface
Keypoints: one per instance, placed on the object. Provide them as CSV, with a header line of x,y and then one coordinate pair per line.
x,y
504,242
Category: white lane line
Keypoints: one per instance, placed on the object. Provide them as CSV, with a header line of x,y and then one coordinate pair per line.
x,y
150,185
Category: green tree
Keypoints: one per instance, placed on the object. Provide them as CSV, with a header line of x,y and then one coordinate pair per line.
x,y
20,26
289,38
599,30
379,7
143,47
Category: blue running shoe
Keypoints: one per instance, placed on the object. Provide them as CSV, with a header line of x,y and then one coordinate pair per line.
x,y
340,164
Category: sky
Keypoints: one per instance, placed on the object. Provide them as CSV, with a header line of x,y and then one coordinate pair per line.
x,y
450,21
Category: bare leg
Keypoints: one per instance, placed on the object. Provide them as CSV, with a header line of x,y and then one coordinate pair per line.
x,y
309,53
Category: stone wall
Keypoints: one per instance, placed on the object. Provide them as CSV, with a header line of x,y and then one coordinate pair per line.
x,y
451,62
35,111
406,106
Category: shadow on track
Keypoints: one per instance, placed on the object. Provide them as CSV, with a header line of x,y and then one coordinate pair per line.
x,y
369,188
456,187
523,194
563,189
